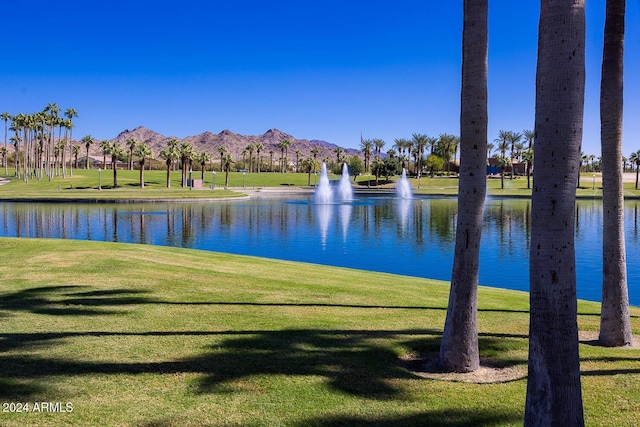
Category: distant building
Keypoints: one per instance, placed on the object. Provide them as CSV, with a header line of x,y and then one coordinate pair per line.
x,y
494,169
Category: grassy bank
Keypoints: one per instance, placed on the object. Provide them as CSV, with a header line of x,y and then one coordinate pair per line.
x,y
137,335
84,185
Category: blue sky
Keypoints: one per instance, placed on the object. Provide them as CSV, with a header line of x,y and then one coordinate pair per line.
x,y
317,70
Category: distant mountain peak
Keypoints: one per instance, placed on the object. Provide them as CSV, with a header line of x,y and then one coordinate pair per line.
x,y
233,142
277,134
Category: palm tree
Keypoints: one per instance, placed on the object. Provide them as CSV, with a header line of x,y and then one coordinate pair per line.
x,y
287,144
70,113
366,145
502,142
420,142
142,151
315,151
378,145
615,323
634,158
51,119
338,152
377,166
527,157
459,348
283,146
400,144
309,165
75,150
170,153
4,152
6,117
298,152
271,153
104,145
58,151
514,140
15,140
67,124
251,148
503,163
19,123
203,158
243,153
554,395
187,153
259,147
87,141
227,161
447,146
115,151
530,136
397,145
131,145
490,148
223,151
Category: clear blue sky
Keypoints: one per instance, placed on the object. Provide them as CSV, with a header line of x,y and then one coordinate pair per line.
x,y
317,70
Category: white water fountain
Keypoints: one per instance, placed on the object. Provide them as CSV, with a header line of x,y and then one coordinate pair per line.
x,y
325,192
345,191
403,188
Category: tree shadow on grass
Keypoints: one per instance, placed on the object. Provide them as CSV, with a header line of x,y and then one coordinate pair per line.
x,y
436,418
12,389
353,362
337,305
459,417
359,363
70,300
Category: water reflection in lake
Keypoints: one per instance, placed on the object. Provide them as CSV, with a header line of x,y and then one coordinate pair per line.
x,y
411,237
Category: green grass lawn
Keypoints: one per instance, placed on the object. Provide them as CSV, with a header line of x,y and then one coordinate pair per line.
x,y
136,335
84,185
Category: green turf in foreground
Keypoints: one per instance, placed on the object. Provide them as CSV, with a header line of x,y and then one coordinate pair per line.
x,y
136,335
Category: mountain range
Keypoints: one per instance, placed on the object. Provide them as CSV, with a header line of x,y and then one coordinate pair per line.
x,y
234,143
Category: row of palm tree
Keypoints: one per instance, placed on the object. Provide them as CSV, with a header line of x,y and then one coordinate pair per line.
x,y
445,146
117,152
184,154
37,151
513,143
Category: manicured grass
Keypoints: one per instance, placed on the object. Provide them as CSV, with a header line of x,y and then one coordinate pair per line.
x,y
84,185
137,335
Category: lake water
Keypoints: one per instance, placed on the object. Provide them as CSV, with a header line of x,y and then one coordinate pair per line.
x,y
410,237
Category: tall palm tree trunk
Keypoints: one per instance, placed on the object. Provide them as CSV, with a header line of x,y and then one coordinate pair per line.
x,y
459,348
615,323
115,176
554,396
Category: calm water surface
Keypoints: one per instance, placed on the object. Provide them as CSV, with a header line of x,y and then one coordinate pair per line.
x,y
410,237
